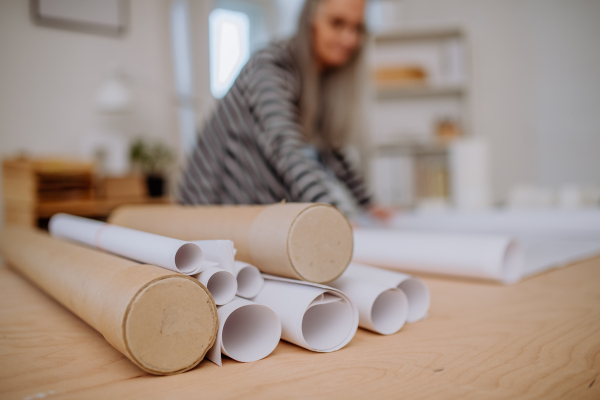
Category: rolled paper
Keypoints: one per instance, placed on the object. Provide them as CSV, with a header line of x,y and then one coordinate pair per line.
x,y
164,322
306,241
313,316
491,257
221,252
247,332
221,284
416,291
547,238
144,247
380,309
249,279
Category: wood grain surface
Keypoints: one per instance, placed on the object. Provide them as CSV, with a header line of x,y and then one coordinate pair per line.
x,y
538,339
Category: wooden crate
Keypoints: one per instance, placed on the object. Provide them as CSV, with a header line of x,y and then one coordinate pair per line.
x,y
132,186
36,189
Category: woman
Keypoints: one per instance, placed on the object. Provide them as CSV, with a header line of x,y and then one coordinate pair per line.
x,y
279,131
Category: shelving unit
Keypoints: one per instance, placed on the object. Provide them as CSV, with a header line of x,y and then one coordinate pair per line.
x,y
409,164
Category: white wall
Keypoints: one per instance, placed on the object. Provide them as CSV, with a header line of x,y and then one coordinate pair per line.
x,y
535,90
49,77
567,34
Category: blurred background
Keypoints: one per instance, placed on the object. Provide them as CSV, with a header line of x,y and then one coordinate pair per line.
x,y
472,104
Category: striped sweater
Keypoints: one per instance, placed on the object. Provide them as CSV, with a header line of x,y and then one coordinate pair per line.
x,y
253,149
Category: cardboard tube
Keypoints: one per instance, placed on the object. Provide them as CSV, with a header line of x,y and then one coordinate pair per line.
x,y
306,241
164,322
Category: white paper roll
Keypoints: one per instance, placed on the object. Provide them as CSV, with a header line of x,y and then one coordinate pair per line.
x,y
416,291
470,174
249,279
552,224
547,238
247,332
173,254
313,316
493,257
221,284
380,309
221,252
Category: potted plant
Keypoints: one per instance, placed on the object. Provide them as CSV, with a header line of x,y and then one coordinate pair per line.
x,y
153,160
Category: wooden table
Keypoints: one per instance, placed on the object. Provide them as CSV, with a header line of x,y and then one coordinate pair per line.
x,y
537,339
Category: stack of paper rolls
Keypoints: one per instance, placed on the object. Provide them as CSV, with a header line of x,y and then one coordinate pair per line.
x,y
255,310
268,236
211,262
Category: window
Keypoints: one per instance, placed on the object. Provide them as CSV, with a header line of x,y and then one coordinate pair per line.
x,y
184,77
229,35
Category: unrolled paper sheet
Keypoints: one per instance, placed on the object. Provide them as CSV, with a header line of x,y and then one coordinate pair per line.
x,y
247,332
249,279
492,257
416,291
313,316
381,309
161,251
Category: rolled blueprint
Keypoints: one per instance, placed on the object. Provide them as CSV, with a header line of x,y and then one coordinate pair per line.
x,y
416,291
306,241
164,322
249,279
144,247
220,252
313,316
551,224
247,332
381,309
547,238
221,284
492,257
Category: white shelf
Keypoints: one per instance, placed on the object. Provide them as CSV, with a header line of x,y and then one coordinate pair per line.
x,y
411,91
402,146
418,33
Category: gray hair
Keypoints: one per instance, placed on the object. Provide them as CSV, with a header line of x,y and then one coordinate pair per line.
x,y
330,105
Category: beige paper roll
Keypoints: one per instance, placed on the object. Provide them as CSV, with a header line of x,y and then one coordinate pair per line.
x,y
163,321
307,241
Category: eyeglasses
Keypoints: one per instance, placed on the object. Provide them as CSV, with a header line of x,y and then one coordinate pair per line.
x,y
340,25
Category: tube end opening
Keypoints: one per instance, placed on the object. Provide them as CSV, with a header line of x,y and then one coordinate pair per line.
x,y
188,259
249,282
389,311
251,333
326,326
222,287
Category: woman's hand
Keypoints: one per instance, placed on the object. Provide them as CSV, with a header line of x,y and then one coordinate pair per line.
x,y
381,213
